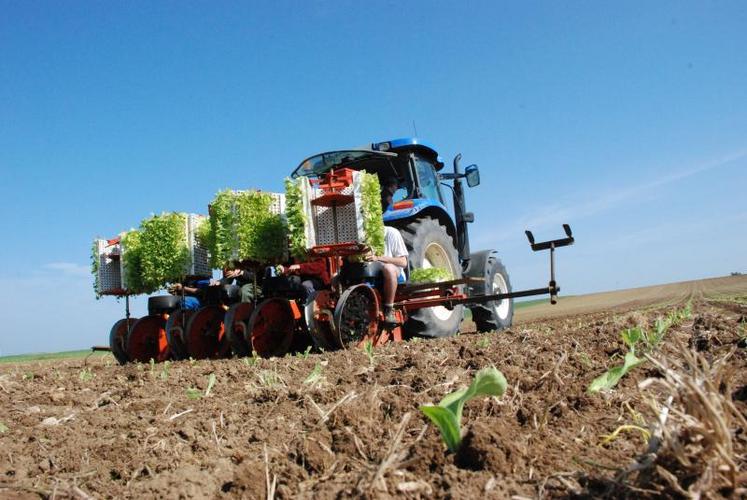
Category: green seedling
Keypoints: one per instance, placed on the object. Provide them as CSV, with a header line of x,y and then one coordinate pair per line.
x,y
152,363
611,377
211,383
447,416
315,376
369,350
251,361
165,370
3,428
86,374
28,376
484,342
270,379
305,354
195,393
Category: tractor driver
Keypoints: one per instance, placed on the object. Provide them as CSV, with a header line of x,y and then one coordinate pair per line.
x,y
394,260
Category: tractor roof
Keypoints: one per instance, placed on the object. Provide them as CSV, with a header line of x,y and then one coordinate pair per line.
x,y
322,162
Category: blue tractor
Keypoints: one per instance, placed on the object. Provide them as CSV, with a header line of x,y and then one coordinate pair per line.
x,y
434,237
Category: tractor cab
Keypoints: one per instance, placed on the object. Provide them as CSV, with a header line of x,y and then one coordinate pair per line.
x,y
417,167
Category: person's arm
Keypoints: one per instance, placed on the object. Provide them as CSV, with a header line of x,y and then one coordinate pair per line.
x,y
397,261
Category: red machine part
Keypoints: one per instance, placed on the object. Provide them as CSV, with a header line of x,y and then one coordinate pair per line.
x,y
147,339
118,339
237,329
175,328
205,335
273,325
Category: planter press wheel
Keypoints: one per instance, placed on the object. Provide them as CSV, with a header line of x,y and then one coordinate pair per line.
x,y
237,329
319,320
118,340
205,336
147,340
176,326
272,326
357,316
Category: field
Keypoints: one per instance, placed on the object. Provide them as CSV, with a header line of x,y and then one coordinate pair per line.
x,y
347,423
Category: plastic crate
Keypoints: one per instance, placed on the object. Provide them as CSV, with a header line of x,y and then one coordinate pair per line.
x,y
109,274
198,262
342,224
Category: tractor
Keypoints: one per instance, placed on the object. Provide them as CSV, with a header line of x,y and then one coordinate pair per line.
x,y
434,238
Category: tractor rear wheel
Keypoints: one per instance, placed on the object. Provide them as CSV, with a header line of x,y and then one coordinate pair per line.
x,y
496,315
429,246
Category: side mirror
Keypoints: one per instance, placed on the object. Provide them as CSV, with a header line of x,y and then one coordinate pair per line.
x,y
472,173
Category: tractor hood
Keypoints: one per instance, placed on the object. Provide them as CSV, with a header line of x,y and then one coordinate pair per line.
x,y
317,165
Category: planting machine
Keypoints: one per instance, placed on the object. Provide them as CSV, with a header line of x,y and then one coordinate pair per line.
x,y
346,309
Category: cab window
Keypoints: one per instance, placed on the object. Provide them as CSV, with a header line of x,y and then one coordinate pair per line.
x,y
427,178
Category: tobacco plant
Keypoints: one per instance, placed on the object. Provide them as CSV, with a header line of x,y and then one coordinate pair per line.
x,y
447,415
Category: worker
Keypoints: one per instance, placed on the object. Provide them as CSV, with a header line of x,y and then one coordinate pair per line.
x,y
193,290
394,260
314,274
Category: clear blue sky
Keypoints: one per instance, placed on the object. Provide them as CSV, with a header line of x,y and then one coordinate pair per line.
x,y
626,119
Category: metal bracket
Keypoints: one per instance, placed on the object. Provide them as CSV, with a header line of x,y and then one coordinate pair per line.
x,y
552,245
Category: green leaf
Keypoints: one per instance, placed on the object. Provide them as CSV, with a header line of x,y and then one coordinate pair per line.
x,y
632,336
193,393
448,414
315,375
3,428
488,382
447,423
611,377
211,383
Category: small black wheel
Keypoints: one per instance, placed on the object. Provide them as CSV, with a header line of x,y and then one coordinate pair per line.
x,y
496,315
163,304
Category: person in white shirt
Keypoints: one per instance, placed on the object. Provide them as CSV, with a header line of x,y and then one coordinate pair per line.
x,y
394,261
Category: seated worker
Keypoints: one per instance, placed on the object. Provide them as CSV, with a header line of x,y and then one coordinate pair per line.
x,y
313,273
394,260
193,289
244,278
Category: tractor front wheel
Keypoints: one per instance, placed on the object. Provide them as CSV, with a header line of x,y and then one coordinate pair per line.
x,y
429,246
498,314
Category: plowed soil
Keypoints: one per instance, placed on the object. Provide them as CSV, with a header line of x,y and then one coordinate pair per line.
x,y
80,428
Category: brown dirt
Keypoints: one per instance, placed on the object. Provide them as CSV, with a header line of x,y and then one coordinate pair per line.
x,y
103,430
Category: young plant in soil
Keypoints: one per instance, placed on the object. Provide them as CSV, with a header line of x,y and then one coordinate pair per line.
x,y
639,339
447,415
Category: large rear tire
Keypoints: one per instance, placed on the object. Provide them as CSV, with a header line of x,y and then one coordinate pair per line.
x,y
430,245
496,315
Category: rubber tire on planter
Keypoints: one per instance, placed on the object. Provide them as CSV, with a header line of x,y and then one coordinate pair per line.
x,y
237,328
163,304
118,339
494,316
179,318
419,236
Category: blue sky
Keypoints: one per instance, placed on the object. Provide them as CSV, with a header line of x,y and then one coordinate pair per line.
x,y
626,119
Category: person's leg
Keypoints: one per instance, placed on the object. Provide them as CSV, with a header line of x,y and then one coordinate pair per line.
x,y
249,292
309,291
389,274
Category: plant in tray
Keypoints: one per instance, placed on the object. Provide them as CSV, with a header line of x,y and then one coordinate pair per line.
x,y
295,217
95,262
447,415
164,251
243,226
132,261
373,222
